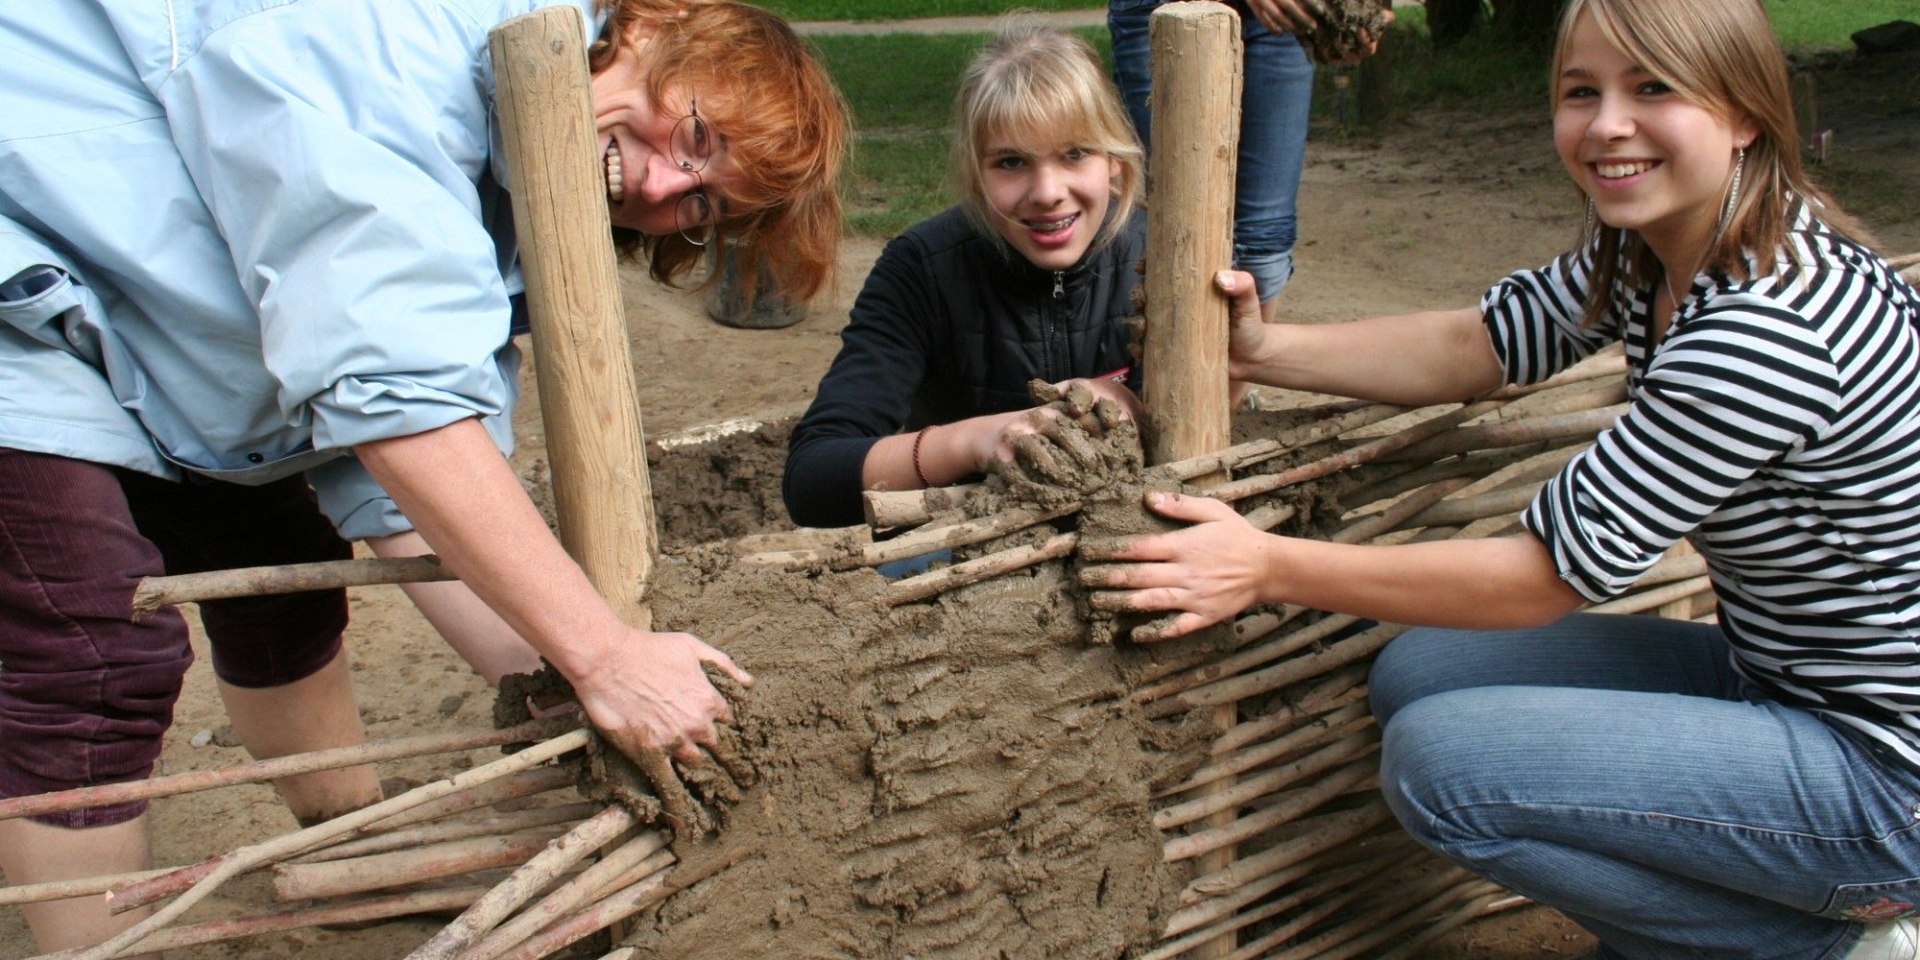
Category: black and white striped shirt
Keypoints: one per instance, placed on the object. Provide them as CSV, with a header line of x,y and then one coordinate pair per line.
x,y
1778,428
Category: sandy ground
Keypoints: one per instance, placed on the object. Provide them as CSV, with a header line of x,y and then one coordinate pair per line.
x,y
1422,215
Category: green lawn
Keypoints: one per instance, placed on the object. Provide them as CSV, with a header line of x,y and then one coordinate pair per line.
x,y
902,10
900,86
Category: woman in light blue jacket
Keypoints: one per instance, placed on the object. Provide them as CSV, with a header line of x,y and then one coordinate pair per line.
x,y
248,247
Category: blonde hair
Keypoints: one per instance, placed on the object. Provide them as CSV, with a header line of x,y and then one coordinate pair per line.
x,y
1032,81
1722,56
785,126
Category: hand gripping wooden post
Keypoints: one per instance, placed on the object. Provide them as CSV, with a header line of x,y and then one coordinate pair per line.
x,y
588,400
1195,56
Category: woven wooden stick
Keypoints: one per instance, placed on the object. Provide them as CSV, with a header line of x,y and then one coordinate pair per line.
x,y
1338,688
914,589
1359,646
358,911
1484,904
611,873
68,889
1345,721
528,881
563,815
1316,911
260,771
1398,514
1382,482
526,783
616,906
636,888
248,858
1278,810
1488,436
1353,456
152,593
1375,852
1411,905
1264,653
1322,885
1357,739
1317,835
339,878
520,784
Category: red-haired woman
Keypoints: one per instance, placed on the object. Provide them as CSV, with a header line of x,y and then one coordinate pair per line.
x,y
257,255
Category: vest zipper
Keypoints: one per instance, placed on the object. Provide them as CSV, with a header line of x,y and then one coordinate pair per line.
x,y
1056,366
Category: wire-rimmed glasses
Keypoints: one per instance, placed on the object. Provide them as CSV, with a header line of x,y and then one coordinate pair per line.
x,y
690,148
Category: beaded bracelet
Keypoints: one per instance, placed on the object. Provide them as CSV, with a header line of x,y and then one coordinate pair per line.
x,y
917,471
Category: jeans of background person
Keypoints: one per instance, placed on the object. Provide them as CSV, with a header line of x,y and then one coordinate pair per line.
x,y
1619,769
1277,93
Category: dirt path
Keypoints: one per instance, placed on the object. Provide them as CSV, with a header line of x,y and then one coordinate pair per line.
x,y
1423,215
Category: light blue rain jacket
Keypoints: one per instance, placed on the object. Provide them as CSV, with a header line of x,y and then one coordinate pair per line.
x,y
239,237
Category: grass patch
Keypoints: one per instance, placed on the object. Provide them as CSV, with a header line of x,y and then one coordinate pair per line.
x,y
1827,24
901,86
896,10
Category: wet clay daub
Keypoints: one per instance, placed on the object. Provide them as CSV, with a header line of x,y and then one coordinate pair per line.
x,y
961,778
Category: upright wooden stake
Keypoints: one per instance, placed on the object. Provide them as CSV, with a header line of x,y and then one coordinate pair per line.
x,y
588,400
1196,134
1195,56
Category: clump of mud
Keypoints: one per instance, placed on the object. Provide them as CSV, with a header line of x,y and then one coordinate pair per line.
x,y
1346,30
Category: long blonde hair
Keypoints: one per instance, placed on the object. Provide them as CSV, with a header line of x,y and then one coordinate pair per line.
x,y
1032,80
786,129
1722,56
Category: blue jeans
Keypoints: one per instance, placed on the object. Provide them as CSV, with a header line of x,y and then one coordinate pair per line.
x,y
1276,95
1618,769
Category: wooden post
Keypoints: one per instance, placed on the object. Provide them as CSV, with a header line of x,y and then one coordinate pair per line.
x,y
1195,56
588,400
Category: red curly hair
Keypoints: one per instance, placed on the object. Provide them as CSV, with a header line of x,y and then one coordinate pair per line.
x,y
785,125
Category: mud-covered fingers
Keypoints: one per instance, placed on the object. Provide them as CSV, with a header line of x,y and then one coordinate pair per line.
x,y
1079,398
1110,550
1072,441
683,812
731,755
1167,627
1043,392
1036,456
709,780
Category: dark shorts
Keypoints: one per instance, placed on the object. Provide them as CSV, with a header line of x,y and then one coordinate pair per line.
x,y
85,692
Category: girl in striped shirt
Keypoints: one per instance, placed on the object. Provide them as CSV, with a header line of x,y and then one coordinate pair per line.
x,y
1744,789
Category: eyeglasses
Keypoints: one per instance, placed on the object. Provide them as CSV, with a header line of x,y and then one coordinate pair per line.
x,y
691,148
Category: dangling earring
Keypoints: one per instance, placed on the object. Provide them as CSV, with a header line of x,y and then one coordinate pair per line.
x,y
1593,217
1733,191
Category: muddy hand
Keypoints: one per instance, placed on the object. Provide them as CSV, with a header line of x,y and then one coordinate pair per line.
x,y
1201,575
1290,16
685,816
649,692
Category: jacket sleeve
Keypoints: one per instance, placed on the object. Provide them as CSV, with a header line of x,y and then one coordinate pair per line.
x,y
339,155
867,393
